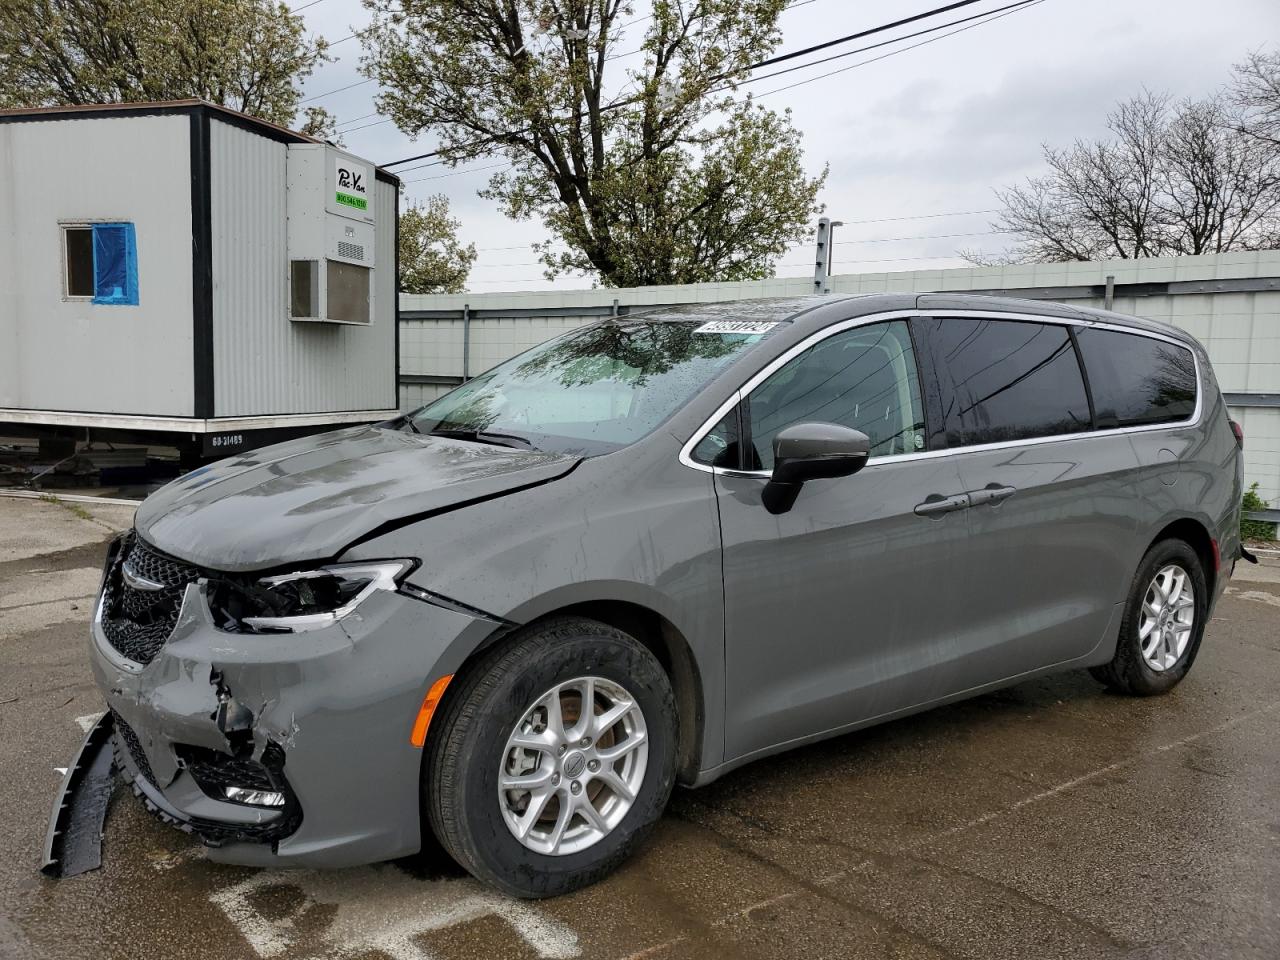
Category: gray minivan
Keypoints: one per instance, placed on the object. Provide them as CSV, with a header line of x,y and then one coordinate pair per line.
x,y
649,551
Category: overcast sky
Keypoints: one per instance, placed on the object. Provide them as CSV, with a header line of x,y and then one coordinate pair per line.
x,y
928,131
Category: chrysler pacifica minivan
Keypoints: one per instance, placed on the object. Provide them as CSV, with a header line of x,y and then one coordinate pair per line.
x,y
647,552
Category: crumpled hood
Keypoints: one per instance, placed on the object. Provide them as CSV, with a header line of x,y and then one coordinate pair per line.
x,y
308,499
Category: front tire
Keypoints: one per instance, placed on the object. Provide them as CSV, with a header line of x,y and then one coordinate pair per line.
x,y
1164,621
534,794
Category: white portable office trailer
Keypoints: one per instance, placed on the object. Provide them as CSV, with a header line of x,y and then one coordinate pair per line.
x,y
182,271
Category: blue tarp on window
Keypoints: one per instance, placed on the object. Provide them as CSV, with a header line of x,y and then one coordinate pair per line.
x,y
115,264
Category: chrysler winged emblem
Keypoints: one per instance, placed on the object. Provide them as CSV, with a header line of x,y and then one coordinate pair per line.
x,y
137,581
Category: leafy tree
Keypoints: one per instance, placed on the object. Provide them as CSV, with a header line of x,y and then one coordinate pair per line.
x,y
249,55
613,149
431,259
1172,179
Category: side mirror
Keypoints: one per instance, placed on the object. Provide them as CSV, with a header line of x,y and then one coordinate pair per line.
x,y
812,451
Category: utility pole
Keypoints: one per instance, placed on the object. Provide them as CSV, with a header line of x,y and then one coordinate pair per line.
x,y
822,254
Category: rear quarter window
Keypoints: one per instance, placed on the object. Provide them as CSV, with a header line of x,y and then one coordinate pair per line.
x,y
1137,380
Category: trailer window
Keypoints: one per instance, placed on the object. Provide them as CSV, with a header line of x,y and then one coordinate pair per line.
x,y
77,258
100,263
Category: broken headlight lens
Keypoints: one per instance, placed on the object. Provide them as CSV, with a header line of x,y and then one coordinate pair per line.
x,y
308,599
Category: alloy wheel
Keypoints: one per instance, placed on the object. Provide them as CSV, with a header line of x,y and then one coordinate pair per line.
x,y
1168,616
573,766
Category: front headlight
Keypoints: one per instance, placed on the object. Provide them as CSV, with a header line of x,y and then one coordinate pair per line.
x,y
310,599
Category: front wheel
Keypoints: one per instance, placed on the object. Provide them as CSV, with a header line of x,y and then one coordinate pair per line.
x,y
554,759
1163,624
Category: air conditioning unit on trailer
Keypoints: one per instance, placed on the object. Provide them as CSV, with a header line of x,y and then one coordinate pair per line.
x,y
332,242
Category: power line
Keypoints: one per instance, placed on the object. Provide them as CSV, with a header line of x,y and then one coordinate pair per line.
x,y
329,93
782,57
886,43
305,6
924,216
621,103
458,173
364,116
1009,11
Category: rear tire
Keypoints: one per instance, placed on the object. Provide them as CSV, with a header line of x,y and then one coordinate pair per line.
x,y
1157,644
498,727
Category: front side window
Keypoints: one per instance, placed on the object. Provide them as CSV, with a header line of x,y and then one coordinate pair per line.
x,y
1002,380
1137,380
864,378
593,390
100,262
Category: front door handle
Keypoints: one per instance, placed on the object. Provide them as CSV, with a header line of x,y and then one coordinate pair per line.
x,y
935,505
993,493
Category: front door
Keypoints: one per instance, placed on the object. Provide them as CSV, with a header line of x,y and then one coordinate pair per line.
x,y
839,610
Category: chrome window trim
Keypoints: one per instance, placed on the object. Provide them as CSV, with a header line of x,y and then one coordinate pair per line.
x,y
686,451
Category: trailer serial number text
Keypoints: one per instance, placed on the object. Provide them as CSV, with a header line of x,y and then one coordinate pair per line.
x,y
227,440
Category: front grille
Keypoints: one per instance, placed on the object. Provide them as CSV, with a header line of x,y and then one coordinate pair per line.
x,y
131,743
138,622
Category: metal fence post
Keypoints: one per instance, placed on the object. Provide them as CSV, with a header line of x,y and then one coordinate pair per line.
x,y
1109,300
821,257
466,342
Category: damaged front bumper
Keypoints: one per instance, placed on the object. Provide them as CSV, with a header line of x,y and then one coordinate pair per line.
x,y
313,727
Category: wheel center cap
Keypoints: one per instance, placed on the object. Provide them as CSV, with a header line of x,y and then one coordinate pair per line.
x,y
574,764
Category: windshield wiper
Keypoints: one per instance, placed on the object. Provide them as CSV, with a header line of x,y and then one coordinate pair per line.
x,y
483,436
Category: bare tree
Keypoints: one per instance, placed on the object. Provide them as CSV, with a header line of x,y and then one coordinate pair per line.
x,y
1173,178
1257,94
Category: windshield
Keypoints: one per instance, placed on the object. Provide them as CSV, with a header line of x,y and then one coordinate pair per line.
x,y
592,390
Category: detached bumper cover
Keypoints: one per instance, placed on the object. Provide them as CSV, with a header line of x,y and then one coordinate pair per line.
x,y
323,718
73,843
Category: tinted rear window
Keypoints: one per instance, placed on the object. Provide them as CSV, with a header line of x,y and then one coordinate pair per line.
x,y
1137,380
1000,380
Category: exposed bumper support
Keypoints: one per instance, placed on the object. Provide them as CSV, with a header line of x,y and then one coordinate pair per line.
x,y
73,844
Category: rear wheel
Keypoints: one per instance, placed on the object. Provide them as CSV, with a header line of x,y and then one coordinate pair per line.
x,y
554,759
1164,621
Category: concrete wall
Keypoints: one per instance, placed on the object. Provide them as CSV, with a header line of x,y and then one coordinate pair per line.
x,y
1240,329
265,363
72,355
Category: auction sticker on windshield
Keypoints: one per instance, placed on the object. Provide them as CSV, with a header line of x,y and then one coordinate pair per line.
x,y
735,326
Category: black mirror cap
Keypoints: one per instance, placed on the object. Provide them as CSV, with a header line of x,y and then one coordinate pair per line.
x,y
817,451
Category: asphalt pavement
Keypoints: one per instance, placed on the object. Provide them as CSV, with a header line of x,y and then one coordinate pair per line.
x,y
1051,819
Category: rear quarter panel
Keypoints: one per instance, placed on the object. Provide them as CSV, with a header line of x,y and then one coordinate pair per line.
x,y
1192,472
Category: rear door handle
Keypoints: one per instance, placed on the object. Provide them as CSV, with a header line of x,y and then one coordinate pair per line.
x,y
992,493
935,505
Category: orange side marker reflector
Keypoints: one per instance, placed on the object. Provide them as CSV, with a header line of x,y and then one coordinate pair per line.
x,y
429,704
